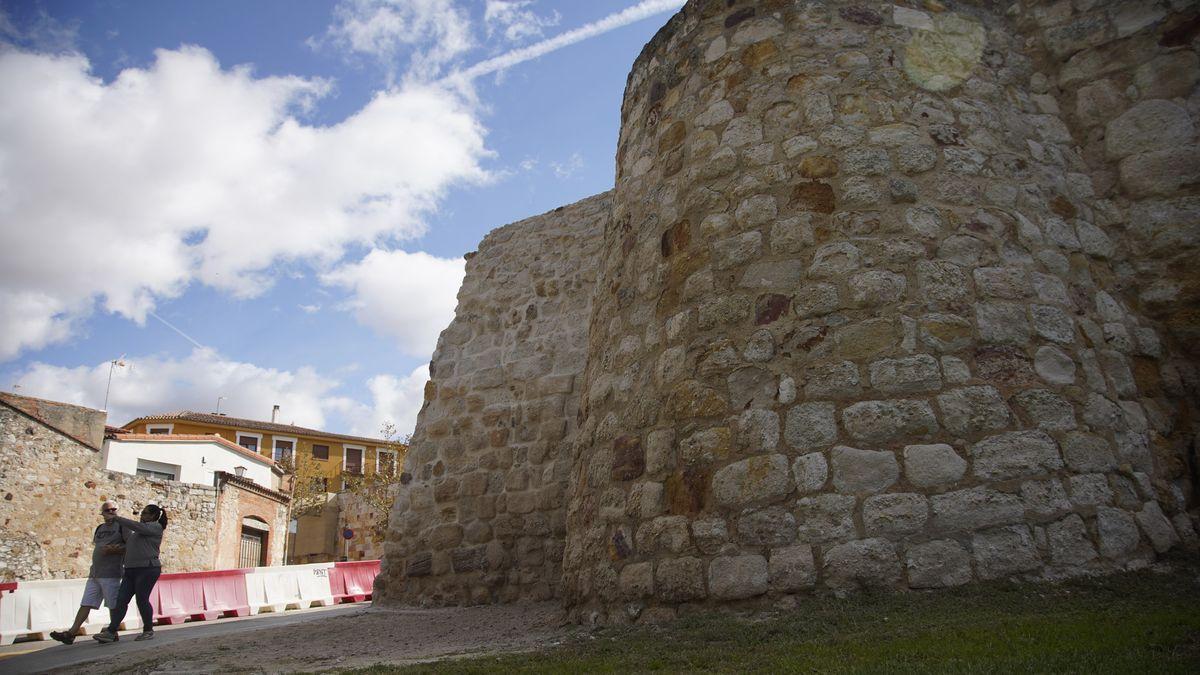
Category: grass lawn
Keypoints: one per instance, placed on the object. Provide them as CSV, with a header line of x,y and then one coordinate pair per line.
x,y
1143,622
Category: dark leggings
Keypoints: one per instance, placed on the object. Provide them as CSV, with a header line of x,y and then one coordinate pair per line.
x,y
137,581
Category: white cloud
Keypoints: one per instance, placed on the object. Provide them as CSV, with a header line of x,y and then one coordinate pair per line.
x,y
406,296
642,10
435,30
395,400
564,170
514,20
126,192
310,309
155,384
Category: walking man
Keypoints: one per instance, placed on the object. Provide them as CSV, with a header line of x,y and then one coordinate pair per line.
x,y
104,578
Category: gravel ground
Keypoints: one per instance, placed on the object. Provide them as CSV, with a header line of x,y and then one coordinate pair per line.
x,y
376,636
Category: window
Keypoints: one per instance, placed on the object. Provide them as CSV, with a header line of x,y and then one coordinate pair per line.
x,y
157,470
352,461
284,447
250,442
320,451
385,461
159,428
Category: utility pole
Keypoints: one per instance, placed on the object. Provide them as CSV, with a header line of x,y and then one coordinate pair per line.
x,y
112,364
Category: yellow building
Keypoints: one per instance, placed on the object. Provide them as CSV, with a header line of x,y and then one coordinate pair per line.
x,y
334,453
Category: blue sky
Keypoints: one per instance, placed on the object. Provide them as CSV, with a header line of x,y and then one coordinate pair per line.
x,y
269,201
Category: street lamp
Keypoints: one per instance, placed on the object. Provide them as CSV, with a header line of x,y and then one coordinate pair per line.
x,y
112,364
219,399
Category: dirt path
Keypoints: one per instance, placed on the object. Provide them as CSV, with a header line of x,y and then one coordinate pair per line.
x,y
374,636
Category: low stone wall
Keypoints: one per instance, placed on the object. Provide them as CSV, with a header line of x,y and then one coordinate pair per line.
x,y
480,512
52,490
363,519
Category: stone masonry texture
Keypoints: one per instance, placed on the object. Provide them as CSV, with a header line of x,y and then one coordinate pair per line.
x,y
51,488
480,515
885,296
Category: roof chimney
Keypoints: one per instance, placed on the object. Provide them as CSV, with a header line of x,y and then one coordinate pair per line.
x,y
274,412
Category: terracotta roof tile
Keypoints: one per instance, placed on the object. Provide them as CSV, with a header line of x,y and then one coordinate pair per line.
x,y
209,438
256,425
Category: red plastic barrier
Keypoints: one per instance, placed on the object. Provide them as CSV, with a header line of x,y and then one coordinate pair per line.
x,y
353,581
199,596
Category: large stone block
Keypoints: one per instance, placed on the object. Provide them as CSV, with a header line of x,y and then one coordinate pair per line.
x,y
637,580
772,526
1015,454
973,410
1069,542
938,564
1004,551
1086,453
792,568
1047,410
824,518
737,577
908,375
868,563
858,471
932,466
810,471
810,425
679,579
763,478
895,514
1117,531
1158,529
886,421
832,380
975,508
1148,126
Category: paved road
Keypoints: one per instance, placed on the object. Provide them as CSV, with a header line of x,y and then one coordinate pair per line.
x,y
40,657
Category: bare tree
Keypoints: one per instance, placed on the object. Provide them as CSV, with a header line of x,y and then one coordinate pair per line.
x,y
377,490
304,481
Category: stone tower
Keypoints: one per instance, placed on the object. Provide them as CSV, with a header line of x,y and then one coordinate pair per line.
x,y
885,296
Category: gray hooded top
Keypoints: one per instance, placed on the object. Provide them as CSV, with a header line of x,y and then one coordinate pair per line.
x,y
141,547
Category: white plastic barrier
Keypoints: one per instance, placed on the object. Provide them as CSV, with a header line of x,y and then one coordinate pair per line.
x,y
37,607
274,589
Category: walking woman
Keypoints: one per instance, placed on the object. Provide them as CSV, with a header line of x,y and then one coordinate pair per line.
x,y
142,568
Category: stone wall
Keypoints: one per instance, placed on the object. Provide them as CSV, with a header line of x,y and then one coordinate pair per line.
x,y
480,513
887,297
53,486
1124,75
355,513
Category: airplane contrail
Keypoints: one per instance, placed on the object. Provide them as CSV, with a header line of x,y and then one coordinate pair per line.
x,y
642,10
184,335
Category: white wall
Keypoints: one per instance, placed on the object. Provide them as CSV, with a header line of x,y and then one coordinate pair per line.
x,y
121,455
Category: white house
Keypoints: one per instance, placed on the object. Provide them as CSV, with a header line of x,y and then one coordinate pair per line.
x,y
188,458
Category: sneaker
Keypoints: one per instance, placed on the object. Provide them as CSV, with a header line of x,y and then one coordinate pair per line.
x,y
62,636
105,637
146,635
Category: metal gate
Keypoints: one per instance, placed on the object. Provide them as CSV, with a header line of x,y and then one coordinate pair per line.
x,y
252,549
